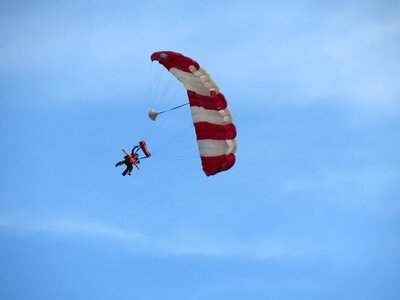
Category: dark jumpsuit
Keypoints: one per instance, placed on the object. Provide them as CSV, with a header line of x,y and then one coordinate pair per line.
x,y
127,161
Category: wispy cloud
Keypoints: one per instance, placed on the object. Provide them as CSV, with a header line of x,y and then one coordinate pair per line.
x,y
256,248
73,228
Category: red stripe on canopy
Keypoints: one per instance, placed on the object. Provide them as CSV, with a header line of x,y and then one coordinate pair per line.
x,y
208,131
216,164
216,102
176,60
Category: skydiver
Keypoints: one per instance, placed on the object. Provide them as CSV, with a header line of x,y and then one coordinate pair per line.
x,y
127,161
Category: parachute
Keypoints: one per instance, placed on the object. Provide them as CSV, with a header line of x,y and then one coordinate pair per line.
x,y
212,119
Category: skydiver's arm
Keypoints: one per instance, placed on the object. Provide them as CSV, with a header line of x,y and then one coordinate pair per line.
x,y
135,150
120,163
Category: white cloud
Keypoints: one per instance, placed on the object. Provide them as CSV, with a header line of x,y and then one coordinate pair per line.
x,y
366,189
295,53
336,56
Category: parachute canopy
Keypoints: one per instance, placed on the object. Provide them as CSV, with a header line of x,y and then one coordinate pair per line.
x,y
212,118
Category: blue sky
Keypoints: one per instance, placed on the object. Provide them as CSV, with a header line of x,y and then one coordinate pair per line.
x,y
311,208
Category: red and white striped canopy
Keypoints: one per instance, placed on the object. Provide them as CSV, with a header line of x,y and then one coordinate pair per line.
x,y
212,118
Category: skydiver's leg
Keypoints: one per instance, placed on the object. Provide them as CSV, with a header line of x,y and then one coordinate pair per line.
x,y
129,168
126,171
